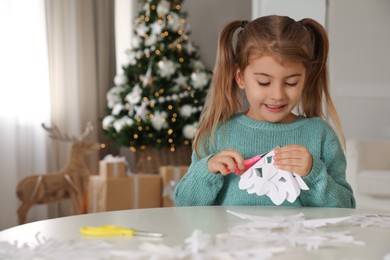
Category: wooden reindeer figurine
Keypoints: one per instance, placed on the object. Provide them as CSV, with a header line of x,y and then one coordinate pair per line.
x,y
70,182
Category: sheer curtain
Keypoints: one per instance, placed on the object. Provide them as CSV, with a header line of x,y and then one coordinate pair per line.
x,y
57,63
24,100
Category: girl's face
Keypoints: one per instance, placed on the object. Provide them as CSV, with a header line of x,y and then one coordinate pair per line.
x,y
272,89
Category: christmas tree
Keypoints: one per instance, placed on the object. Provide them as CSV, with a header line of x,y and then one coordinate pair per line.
x,y
158,99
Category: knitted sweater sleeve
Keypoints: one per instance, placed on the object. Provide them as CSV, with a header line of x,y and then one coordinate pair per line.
x,y
327,182
198,187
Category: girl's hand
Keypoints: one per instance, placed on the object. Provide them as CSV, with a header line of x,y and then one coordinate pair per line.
x,y
294,158
225,162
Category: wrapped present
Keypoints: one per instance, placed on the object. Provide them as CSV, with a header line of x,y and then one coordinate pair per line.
x,y
113,166
170,176
132,192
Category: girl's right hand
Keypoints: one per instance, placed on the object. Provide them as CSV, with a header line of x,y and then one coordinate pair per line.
x,y
226,162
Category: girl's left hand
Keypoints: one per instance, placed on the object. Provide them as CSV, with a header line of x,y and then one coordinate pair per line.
x,y
294,158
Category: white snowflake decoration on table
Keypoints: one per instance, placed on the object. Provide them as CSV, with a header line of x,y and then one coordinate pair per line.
x,y
264,178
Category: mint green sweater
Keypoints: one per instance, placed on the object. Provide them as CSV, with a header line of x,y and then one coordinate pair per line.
x,y
326,180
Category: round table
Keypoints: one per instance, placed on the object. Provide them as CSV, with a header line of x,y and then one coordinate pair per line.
x,y
177,223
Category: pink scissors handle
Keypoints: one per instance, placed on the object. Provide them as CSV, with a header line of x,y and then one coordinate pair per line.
x,y
249,163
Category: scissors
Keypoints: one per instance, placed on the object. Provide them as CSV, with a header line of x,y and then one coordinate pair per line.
x,y
252,161
113,230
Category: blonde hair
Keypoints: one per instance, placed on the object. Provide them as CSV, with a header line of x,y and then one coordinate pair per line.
x,y
304,41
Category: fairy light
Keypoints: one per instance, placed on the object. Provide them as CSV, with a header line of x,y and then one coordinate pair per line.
x,y
181,59
183,21
147,55
141,17
138,119
186,142
158,141
172,149
178,7
153,7
180,31
188,87
158,52
170,131
140,128
156,94
173,119
147,19
102,146
143,147
161,90
145,99
133,149
170,107
179,46
135,136
170,140
169,17
148,158
185,37
147,128
160,21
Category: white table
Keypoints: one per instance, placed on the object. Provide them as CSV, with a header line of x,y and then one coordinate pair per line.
x,y
177,223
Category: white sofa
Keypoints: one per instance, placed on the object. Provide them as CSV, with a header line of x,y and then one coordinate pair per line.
x,y
368,172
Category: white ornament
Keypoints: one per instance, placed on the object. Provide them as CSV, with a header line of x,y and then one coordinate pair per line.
x,y
122,122
156,28
159,120
113,96
186,111
136,42
166,68
120,79
199,80
189,131
134,96
180,81
117,109
141,111
174,22
107,121
141,29
151,40
163,8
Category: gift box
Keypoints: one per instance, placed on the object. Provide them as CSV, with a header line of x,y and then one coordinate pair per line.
x,y
132,192
112,166
170,177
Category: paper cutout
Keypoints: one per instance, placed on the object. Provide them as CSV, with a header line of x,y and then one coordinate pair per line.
x,y
264,178
260,237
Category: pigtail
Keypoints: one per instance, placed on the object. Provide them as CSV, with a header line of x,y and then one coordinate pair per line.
x,y
318,81
223,99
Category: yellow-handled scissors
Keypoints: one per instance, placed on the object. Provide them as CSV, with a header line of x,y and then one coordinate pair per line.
x,y
113,230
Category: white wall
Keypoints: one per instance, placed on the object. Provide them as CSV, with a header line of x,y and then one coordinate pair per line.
x,y
360,65
207,18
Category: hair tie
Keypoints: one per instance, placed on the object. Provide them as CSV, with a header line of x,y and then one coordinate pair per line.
x,y
243,23
235,35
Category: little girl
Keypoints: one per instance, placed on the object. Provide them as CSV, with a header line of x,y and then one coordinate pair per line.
x,y
277,67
